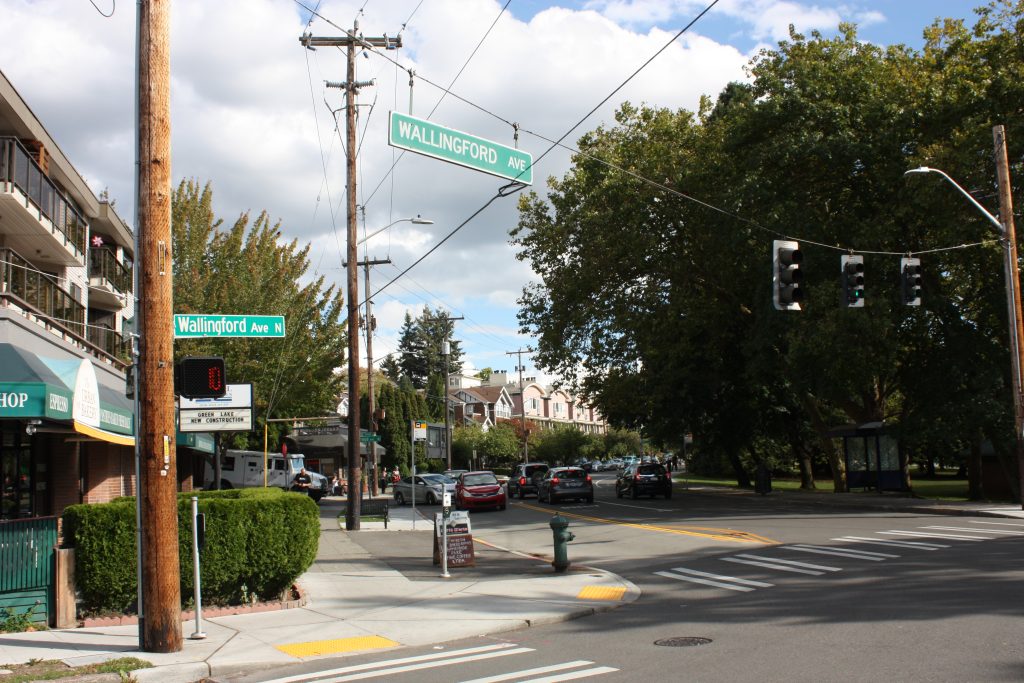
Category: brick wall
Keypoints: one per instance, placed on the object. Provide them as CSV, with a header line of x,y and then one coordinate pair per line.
x,y
64,468
105,475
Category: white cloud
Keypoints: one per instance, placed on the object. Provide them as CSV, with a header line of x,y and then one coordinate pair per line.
x,y
244,118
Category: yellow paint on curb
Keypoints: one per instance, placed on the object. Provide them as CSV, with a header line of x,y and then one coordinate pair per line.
x,y
601,593
330,647
716,534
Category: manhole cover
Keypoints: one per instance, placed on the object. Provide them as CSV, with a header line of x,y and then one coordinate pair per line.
x,y
688,641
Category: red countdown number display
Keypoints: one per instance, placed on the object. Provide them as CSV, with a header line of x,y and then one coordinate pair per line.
x,y
200,377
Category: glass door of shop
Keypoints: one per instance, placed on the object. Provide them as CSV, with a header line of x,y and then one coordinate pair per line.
x,y
16,473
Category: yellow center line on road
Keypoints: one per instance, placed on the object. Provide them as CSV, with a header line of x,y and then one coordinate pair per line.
x,y
698,531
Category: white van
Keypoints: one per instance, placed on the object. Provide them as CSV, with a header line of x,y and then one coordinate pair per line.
x,y
244,469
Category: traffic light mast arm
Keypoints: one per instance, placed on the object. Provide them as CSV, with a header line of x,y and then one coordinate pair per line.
x,y
992,219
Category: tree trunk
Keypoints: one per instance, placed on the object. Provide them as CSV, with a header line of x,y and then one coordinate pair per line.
x,y
834,457
806,473
975,491
742,478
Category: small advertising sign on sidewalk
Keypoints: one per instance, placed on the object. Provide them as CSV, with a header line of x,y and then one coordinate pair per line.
x,y
459,537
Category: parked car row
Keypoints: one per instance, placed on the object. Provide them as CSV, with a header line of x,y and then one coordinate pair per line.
x,y
470,490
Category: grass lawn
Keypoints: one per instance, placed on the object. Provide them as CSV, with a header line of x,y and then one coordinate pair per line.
x,y
942,487
54,669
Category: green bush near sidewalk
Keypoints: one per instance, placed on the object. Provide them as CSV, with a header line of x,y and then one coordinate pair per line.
x,y
258,541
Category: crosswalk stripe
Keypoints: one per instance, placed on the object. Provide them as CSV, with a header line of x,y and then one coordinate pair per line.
x,y
852,555
806,565
531,672
978,521
769,565
976,531
851,551
424,665
745,582
706,582
922,534
401,660
596,671
920,545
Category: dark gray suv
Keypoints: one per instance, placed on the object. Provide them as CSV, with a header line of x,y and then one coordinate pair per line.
x,y
525,478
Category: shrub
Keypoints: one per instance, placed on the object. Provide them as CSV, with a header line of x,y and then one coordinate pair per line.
x,y
258,541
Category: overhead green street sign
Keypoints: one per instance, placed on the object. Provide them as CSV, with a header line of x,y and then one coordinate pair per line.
x,y
195,325
367,438
447,144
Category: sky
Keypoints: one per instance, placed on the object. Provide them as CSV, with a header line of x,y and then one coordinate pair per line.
x,y
252,115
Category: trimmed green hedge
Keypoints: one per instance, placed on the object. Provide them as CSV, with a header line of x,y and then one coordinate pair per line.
x,y
258,541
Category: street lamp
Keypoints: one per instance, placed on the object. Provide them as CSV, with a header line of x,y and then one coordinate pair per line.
x,y
372,446
1012,278
417,221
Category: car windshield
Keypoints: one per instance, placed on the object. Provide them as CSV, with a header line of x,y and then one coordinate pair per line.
x,y
438,479
530,469
480,479
571,474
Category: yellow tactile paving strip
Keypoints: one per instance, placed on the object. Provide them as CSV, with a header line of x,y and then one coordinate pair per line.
x,y
703,532
601,593
330,647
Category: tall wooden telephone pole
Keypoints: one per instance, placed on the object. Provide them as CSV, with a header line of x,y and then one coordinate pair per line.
x,y
352,41
160,618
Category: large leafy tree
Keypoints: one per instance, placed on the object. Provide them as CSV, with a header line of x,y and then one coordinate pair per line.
x,y
248,269
658,306
420,348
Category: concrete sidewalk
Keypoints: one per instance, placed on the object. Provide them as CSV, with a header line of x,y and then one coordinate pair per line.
x,y
366,590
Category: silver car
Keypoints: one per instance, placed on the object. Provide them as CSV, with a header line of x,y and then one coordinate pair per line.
x,y
429,489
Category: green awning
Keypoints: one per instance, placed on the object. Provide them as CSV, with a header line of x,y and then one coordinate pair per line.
x,y
29,389
199,441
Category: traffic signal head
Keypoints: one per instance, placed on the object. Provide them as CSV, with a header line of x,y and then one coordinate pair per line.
x,y
910,281
852,281
200,377
786,275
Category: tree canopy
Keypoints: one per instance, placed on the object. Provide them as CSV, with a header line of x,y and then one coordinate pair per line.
x,y
654,250
248,269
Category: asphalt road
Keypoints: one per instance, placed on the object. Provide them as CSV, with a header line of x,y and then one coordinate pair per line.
x,y
779,590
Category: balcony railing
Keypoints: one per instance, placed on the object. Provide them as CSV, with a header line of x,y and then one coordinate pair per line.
x,y
110,341
104,264
40,291
17,166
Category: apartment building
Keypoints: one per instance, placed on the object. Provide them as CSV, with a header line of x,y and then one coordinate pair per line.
x,y
66,303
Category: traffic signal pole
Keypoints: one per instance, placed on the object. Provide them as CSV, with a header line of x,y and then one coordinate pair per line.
x,y
1013,301
160,623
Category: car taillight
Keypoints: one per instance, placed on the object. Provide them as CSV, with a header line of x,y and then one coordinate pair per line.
x,y
554,480
522,481
636,476
588,477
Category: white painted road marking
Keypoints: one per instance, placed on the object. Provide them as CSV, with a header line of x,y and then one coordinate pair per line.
x,y
391,666
514,675
597,671
920,545
922,534
839,552
771,565
806,565
716,580
978,521
975,531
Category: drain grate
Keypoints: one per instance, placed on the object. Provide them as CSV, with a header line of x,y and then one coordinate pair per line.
x,y
688,641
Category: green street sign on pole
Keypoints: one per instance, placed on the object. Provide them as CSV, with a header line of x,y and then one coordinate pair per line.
x,y
447,144
367,438
195,325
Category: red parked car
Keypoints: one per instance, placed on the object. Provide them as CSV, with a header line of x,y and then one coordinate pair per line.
x,y
479,490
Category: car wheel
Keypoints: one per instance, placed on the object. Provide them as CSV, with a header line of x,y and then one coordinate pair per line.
x,y
590,499
522,493
618,492
633,494
399,498
502,506
431,499
668,494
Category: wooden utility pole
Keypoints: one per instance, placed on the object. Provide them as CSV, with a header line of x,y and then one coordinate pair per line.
x,y
522,399
1012,295
352,41
371,402
160,623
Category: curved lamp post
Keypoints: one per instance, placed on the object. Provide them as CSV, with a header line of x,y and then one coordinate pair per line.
x,y
372,417
1012,279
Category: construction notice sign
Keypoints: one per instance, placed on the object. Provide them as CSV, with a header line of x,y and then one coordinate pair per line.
x,y
460,540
